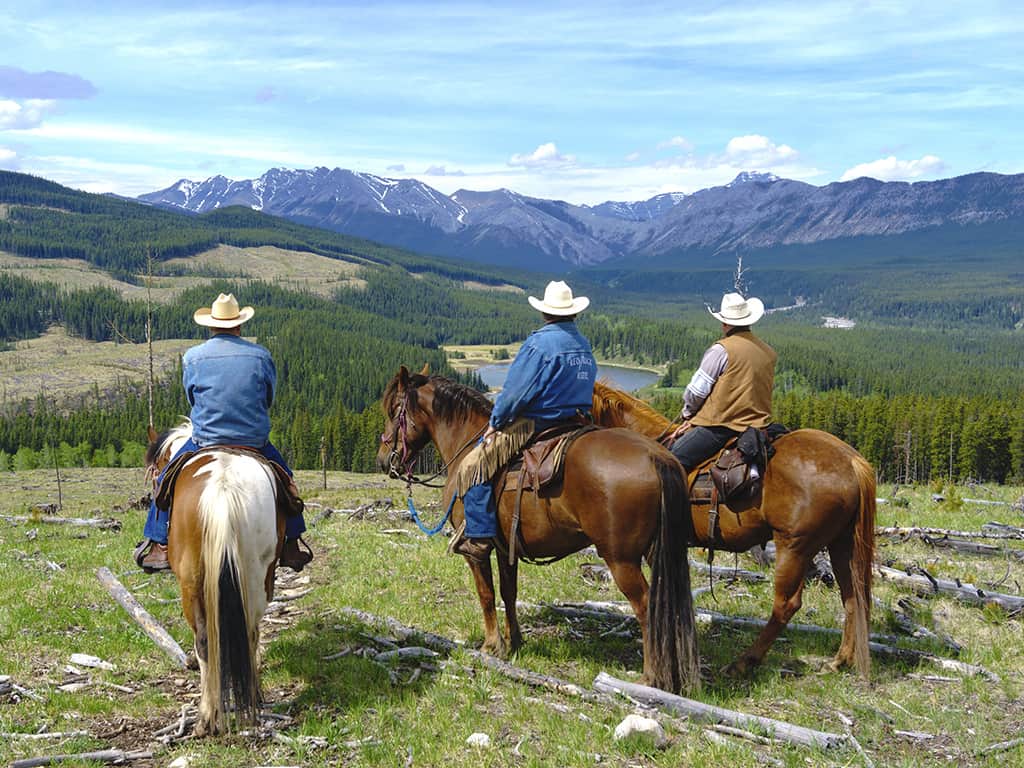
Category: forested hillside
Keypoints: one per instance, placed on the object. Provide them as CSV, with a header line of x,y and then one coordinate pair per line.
x,y
927,385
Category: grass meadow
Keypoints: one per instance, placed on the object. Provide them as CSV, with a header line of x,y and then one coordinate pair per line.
x,y
337,705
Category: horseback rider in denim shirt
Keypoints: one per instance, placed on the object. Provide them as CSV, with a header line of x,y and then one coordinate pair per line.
x,y
230,385
551,380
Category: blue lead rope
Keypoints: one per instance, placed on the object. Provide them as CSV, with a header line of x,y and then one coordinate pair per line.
x,y
436,528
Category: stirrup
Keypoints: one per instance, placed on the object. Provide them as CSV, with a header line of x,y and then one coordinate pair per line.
x,y
302,559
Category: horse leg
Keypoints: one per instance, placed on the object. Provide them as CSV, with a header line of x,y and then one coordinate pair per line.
x,y
629,578
790,567
508,583
483,578
841,554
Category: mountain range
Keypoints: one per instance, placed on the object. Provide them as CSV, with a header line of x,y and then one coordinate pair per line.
x,y
755,210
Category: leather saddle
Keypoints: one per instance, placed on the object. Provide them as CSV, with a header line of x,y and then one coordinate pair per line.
x,y
540,468
734,475
288,503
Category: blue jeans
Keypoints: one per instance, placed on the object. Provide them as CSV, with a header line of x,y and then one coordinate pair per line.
x,y
699,443
158,520
481,514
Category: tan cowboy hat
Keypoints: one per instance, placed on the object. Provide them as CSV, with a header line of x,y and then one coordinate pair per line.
x,y
738,311
558,300
224,313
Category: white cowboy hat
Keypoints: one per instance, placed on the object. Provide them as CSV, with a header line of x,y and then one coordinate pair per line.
x,y
738,311
224,313
558,300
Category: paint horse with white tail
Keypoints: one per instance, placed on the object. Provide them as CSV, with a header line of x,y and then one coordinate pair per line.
x,y
226,534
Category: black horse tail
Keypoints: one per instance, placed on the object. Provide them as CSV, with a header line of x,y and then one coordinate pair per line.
x,y
671,626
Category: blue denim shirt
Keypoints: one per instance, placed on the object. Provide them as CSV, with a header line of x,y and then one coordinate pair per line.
x,y
551,378
230,384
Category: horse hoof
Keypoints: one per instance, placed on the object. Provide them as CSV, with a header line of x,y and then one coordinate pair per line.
x,y
739,668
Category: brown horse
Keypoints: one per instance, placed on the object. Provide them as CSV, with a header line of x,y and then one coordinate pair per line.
x,y
224,540
624,494
818,493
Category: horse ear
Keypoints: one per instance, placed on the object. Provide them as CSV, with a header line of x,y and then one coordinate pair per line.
x,y
151,433
403,377
426,370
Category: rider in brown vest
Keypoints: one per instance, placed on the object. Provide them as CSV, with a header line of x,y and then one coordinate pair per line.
x,y
732,389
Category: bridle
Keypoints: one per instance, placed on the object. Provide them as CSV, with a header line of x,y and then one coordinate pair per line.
x,y
403,455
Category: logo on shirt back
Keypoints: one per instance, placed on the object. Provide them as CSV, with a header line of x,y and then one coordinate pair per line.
x,y
584,363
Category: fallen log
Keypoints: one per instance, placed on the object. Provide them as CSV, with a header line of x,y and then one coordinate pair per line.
x,y
149,625
963,591
997,527
973,547
445,645
721,572
1001,532
103,756
104,523
699,712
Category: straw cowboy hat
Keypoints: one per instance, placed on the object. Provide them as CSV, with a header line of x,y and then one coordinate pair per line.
x,y
738,311
224,313
558,300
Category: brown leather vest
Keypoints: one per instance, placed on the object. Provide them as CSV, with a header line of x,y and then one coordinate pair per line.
x,y
742,396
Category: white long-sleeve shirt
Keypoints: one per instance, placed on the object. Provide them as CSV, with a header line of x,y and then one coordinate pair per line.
x,y
704,378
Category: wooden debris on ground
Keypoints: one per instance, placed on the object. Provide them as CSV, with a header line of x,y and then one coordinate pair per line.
x,y
102,756
699,712
103,523
149,625
443,644
926,584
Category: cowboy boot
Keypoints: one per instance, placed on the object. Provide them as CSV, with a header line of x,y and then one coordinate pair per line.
x,y
477,550
153,558
293,557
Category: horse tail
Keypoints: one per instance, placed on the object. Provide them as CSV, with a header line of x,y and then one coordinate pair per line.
x,y
863,559
236,538
671,626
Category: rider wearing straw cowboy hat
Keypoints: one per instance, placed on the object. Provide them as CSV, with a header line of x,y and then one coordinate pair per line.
x,y
732,388
230,385
551,380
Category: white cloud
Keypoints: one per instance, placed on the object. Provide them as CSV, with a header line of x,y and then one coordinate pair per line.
x,y
632,157
544,156
15,115
891,169
440,170
8,158
755,151
676,142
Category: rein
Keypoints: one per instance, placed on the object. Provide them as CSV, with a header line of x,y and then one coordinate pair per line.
x,y
399,465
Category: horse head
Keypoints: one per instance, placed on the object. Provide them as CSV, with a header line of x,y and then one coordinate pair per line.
x,y
162,447
403,436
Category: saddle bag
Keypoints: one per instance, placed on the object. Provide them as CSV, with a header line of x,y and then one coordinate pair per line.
x,y
737,471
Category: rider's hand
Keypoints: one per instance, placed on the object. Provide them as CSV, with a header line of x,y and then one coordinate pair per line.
x,y
678,432
489,435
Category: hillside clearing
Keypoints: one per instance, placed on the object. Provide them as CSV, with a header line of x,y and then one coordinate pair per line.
x,y
62,366
336,705
300,270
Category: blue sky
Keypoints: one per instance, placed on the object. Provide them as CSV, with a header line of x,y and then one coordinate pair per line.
x,y
582,101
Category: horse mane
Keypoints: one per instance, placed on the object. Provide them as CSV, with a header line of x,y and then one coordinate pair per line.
x,y
610,404
452,400
455,401
155,449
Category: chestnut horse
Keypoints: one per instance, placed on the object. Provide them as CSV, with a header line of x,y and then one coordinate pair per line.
x,y
817,493
623,493
224,539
